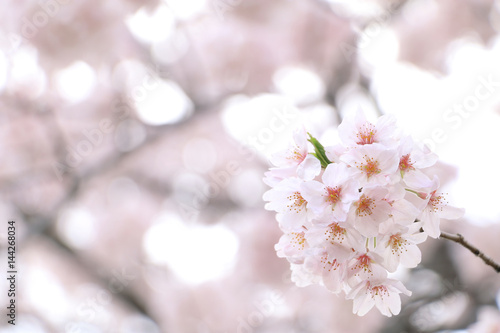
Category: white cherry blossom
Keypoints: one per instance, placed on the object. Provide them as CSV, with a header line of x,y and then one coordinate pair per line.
x,y
399,246
287,200
334,195
355,130
373,164
296,158
412,160
434,207
370,210
382,293
292,245
354,212
338,239
365,265
331,269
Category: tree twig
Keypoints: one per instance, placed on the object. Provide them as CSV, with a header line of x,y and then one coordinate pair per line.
x,y
460,240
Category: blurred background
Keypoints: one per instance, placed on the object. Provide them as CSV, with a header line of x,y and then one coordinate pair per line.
x,y
135,135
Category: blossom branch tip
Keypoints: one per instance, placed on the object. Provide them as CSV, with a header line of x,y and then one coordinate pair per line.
x,y
458,238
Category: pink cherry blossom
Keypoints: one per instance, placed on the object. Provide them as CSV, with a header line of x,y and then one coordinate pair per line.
x,y
434,207
302,277
355,130
287,200
399,245
364,217
292,245
334,195
382,293
338,239
275,175
413,159
364,266
370,210
297,157
403,212
373,164
331,270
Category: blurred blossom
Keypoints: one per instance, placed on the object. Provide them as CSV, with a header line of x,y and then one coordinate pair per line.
x,y
236,79
247,188
152,26
185,10
189,189
84,327
412,111
320,118
194,253
123,190
3,70
352,97
130,131
129,134
26,76
463,53
9,41
138,323
165,104
356,8
497,299
76,82
77,227
130,73
424,282
488,321
300,85
377,47
481,209
26,323
264,123
171,49
92,306
441,313
417,12
199,155
44,291
494,16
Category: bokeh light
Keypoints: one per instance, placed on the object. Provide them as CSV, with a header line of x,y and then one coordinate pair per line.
x,y
165,104
135,136
195,253
76,82
152,26
76,225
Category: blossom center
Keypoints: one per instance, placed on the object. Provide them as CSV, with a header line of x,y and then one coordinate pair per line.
x,y
333,194
379,291
405,163
329,265
370,167
298,240
296,202
365,206
436,202
296,155
335,233
363,262
366,134
397,244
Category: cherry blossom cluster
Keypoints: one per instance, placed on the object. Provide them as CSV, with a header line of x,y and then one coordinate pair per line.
x,y
355,212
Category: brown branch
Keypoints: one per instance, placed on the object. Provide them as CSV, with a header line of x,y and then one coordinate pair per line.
x,y
460,240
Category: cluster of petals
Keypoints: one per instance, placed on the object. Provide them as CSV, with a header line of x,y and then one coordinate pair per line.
x,y
351,223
